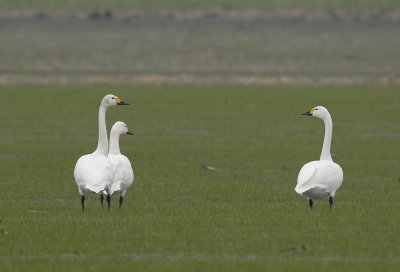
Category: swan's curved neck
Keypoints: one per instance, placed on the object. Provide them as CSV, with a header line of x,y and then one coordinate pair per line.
x,y
326,148
114,143
102,145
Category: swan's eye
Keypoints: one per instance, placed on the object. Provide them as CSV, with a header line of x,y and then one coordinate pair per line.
x,y
112,97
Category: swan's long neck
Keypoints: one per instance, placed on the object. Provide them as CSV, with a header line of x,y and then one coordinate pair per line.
x,y
326,148
102,145
114,143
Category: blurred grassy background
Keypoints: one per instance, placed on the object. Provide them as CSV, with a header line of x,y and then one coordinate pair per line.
x,y
191,4
200,48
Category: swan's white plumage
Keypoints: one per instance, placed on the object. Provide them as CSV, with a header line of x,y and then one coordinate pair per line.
x,y
123,173
306,172
93,172
123,177
318,179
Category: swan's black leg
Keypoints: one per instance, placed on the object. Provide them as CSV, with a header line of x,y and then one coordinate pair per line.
x,y
108,201
83,202
101,199
121,199
310,203
330,202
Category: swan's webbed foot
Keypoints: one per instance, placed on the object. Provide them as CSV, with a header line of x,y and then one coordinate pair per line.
x,y
330,202
310,203
121,199
101,199
108,201
83,202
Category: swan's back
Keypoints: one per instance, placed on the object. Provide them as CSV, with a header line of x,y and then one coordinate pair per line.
x,y
320,178
123,173
93,173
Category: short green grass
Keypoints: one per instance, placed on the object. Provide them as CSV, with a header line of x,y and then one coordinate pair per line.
x,y
179,216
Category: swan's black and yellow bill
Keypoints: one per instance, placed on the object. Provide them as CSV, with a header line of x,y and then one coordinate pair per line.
x,y
121,103
310,112
130,132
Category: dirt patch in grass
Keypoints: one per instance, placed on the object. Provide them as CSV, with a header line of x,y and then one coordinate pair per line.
x,y
276,14
196,80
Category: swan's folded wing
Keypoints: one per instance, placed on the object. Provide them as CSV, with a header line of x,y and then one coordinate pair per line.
x,y
115,187
93,173
87,178
306,173
123,173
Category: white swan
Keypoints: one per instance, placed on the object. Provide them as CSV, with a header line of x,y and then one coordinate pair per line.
x,y
318,179
123,177
93,172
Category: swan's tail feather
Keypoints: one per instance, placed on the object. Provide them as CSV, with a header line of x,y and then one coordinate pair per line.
x,y
115,187
300,190
303,189
94,189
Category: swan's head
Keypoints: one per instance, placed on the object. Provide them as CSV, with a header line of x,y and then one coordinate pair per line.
x,y
121,128
319,112
111,100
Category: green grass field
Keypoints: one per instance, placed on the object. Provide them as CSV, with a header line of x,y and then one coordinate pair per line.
x,y
179,216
